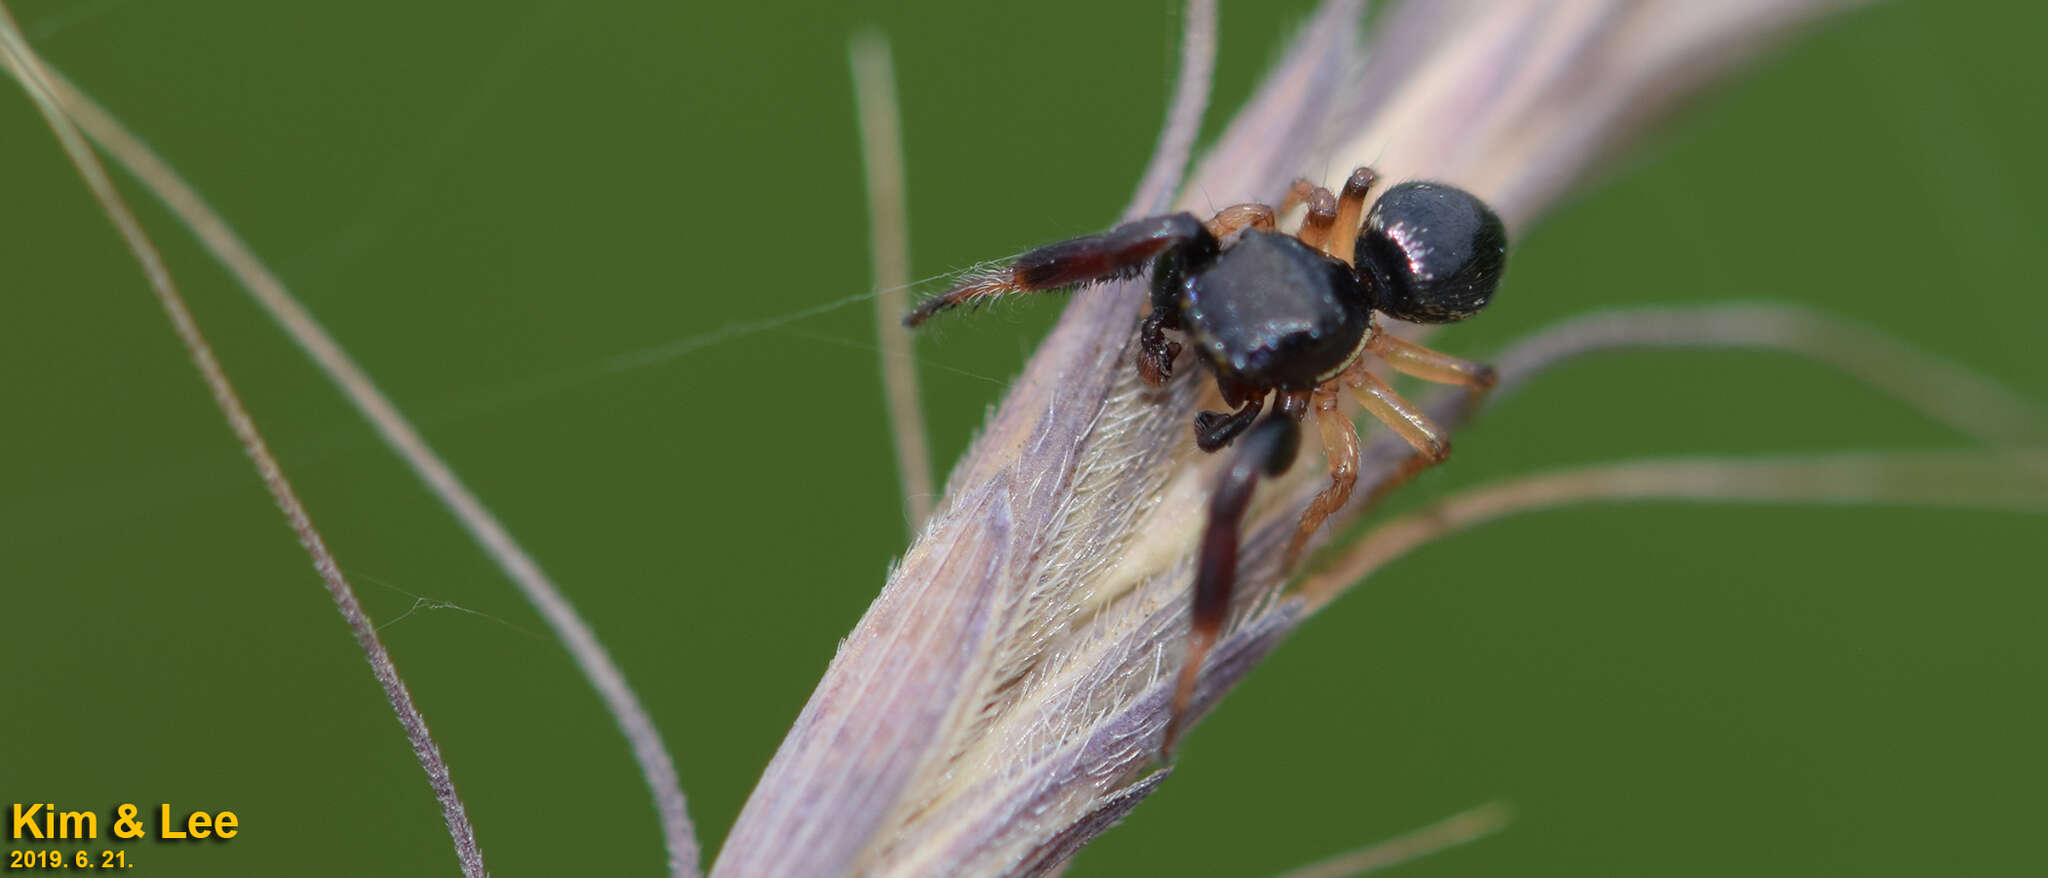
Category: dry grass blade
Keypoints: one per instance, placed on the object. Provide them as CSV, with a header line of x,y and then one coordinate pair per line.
x,y
881,135
2013,480
26,67
1939,388
1461,828
576,635
1184,115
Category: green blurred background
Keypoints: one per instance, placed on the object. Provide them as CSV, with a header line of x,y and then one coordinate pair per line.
x,y
485,200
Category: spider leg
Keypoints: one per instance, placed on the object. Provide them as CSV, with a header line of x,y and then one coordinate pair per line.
x,y
1333,233
1322,212
1340,437
1428,439
1410,358
1267,450
1350,208
1340,445
1118,253
1321,218
1298,192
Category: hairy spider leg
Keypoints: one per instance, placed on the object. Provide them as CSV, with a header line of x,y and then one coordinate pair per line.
x,y
1121,252
1267,450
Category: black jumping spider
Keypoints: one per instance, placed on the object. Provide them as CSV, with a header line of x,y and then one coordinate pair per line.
x,y
1290,315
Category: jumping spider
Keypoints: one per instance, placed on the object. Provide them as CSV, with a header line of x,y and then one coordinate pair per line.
x,y
1291,315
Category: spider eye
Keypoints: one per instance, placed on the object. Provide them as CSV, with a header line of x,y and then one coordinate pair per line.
x,y
1431,253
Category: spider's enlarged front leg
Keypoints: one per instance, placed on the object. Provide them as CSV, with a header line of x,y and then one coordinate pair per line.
x,y
1265,451
1119,253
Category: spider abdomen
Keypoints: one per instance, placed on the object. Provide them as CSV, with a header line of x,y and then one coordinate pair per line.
x,y
1271,311
1432,253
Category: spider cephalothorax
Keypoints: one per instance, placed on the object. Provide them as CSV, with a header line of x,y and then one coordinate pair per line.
x,y
1290,316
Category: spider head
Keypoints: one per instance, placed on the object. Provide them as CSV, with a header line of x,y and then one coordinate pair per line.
x,y
1431,253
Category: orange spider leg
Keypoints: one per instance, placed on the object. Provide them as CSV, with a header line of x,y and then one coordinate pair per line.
x,y
1410,358
1350,210
1322,216
1340,446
